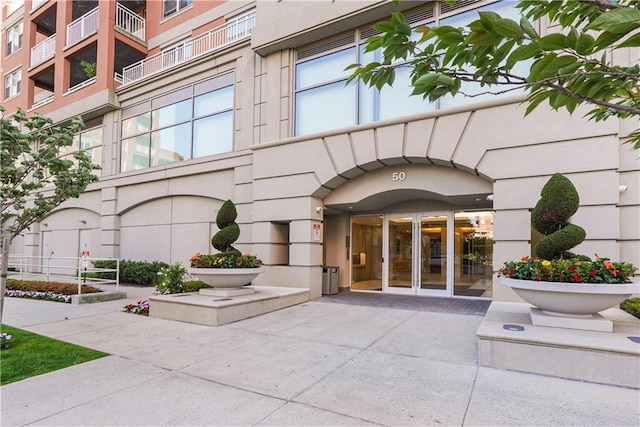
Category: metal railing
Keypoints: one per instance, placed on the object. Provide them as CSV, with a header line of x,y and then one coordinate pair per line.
x,y
129,22
42,102
62,269
82,27
43,51
194,48
117,77
83,84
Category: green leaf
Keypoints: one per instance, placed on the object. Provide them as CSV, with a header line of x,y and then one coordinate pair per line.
x,y
383,27
633,41
617,21
528,28
572,38
552,42
585,44
606,39
539,65
522,53
507,28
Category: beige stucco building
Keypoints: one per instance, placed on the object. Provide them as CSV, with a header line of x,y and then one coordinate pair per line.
x,y
247,101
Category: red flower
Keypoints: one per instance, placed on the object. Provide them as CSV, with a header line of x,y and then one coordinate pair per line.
x,y
572,268
577,277
593,272
560,276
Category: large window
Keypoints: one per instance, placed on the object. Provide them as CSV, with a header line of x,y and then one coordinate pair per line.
x,y
174,6
324,101
198,126
14,38
12,83
89,141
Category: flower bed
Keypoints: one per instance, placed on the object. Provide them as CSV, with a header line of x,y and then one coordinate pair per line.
x,y
49,291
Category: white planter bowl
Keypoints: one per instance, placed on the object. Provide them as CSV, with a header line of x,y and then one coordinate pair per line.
x,y
226,277
571,299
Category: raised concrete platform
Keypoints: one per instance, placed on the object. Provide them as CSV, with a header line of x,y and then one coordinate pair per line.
x,y
508,340
215,311
98,297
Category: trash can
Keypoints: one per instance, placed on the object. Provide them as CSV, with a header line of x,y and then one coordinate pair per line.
x,y
330,280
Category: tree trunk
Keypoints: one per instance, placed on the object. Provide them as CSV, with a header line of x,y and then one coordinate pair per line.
x,y
4,268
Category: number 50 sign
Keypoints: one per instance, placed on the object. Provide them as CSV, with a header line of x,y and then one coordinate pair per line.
x,y
398,176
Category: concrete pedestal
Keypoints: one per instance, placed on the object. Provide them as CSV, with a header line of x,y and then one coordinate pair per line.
x,y
507,339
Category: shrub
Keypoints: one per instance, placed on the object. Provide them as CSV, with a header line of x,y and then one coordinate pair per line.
x,y
194,285
558,201
170,279
109,275
632,306
132,272
229,229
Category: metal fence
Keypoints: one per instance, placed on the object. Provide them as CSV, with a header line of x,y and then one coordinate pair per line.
x,y
63,269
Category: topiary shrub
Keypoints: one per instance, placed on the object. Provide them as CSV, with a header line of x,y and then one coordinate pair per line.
x,y
229,230
559,200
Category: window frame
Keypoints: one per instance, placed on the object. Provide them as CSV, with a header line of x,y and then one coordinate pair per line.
x,y
11,46
178,8
12,86
195,90
359,42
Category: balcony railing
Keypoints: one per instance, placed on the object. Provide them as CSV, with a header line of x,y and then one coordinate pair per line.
x,y
194,48
43,51
82,27
42,102
129,22
82,84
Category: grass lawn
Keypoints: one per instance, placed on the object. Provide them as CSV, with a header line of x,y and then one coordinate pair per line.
x,y
31,354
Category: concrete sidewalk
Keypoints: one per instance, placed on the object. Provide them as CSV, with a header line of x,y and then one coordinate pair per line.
x,y
318,363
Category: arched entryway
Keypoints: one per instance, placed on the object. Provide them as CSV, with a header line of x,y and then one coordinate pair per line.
x,y
422,230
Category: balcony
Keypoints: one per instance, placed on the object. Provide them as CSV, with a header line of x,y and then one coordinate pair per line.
x,y
43,51
211,41
129,22
82,27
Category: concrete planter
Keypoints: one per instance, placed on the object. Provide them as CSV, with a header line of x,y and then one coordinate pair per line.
x,y
571,305
226,278
571,299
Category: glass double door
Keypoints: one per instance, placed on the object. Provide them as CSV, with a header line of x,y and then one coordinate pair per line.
x,y
416,254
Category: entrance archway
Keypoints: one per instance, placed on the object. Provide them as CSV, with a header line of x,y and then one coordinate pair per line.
x,y
417,230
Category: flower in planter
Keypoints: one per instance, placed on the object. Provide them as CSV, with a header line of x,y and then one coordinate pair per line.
x,y
573,270
559,200
229,257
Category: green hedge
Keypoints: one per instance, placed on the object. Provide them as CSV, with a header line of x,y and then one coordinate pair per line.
x,y
141,273
632,306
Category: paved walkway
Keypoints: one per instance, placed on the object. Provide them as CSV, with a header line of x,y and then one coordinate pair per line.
x,y
318,363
